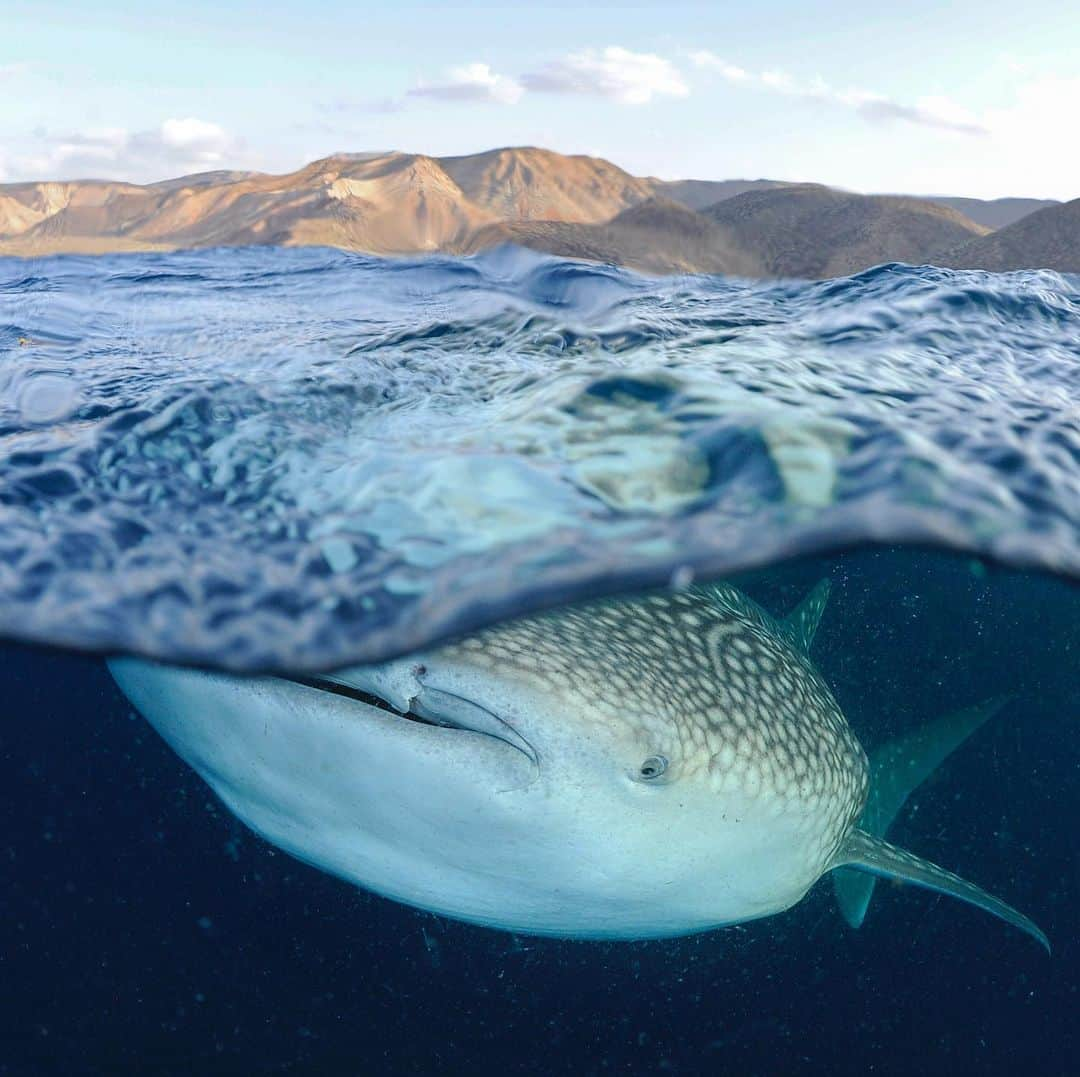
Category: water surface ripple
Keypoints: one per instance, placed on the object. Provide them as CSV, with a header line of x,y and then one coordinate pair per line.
x,y
267,458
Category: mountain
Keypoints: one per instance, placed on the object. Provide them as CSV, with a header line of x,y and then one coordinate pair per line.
x,y
387,203
384,203
806,230
655,236
994,213
27,208
997,212
1047,239
527,183
697,194
202,179
575,206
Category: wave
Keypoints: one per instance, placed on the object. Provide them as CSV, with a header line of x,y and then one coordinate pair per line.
x,y
297,459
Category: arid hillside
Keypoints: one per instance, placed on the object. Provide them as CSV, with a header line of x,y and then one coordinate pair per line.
x,y
384,203
998,212
574,206
538,185
657,236
813,231
1048,239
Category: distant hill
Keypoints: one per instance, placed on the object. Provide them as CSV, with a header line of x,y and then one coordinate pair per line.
x,y
1048,239
656,236
390,203
575,206
202,179
697,194
384,203
25,206
807,230
996,213
527,183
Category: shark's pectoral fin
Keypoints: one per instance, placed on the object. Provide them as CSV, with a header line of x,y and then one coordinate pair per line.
x,y
869,854
802,623
896,770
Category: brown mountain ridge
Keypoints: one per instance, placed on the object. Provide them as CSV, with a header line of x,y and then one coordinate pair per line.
x,y
574,206
655,236
813,231
1047,239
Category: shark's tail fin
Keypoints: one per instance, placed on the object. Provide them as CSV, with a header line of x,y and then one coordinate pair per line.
x,y
897,768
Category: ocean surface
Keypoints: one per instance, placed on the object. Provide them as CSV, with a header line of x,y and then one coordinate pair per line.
x,y
294,460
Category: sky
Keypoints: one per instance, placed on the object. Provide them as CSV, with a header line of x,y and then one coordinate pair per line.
x,y
976,99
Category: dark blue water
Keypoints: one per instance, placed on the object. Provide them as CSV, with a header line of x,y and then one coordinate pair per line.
x,y
298,458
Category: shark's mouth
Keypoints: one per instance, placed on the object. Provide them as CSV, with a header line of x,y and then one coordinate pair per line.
x,y
431,707
324,684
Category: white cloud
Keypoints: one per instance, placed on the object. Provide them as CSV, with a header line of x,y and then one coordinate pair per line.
x,y
193,136
631,78
939,112
176,146
472,82
712,62
777,80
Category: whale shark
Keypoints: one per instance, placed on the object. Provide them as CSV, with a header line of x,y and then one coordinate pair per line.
x,y
632,767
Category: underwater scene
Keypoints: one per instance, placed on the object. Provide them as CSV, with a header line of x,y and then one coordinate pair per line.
x,y
512,664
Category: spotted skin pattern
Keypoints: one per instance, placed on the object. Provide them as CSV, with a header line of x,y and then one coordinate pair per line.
x,y
708,680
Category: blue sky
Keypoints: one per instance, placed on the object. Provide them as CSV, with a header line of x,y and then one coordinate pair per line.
x,y
967,98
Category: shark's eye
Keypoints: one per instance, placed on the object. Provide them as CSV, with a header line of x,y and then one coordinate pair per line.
x,y
653,767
